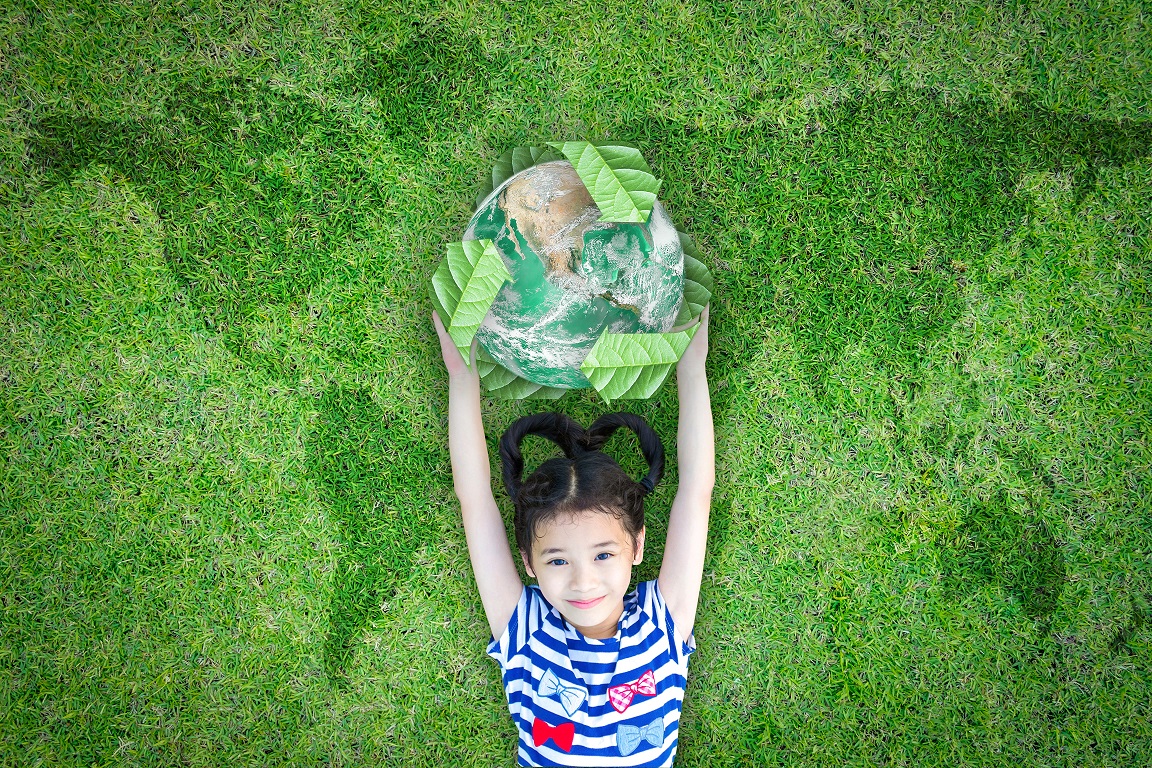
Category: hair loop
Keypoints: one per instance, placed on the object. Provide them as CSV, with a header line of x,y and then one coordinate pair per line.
x,y
560,429
604,427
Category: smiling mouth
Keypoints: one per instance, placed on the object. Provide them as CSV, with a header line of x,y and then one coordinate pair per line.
x,y
586,603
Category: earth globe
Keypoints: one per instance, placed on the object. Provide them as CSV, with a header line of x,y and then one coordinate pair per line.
x,y
573,276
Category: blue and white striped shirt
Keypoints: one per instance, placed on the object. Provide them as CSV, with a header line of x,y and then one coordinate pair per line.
x,y
587,702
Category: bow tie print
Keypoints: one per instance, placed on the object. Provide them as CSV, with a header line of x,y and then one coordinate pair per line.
x,y
561,735
621,695
571,696
628,737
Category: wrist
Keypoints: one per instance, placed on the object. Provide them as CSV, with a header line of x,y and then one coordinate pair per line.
x,y
691,371
463,378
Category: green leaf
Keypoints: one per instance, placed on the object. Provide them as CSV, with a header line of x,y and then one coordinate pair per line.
x,y
617,177
633,365
464,287
522,389
698,283
512,162
485,365
500,382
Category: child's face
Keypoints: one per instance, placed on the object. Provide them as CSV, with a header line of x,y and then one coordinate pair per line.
x,y
583,566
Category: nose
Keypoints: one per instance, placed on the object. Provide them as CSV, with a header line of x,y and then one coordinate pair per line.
x,y
584,580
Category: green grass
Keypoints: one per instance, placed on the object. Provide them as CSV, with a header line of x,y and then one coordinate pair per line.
x,y
227,528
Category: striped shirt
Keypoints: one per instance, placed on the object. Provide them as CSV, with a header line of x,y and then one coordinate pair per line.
x,y
581,701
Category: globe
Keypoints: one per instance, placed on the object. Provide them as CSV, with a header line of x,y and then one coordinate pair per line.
x,y
573,276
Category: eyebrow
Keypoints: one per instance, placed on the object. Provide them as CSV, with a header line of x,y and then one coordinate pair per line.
x,y
554,550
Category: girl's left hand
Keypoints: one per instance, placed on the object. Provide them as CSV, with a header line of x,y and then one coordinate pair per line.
x,y
455,364
697,351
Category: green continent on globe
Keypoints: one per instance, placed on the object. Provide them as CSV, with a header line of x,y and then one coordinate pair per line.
x,y
573,277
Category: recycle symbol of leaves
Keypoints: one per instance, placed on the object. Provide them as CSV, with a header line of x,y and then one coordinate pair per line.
x,y
620,365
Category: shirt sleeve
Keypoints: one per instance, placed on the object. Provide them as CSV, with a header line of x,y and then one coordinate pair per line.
x,y
681,648
525,620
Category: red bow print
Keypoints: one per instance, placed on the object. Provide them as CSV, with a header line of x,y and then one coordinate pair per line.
x,y
560,734
621,695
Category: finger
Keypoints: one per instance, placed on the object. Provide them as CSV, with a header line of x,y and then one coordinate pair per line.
x,y
442,332
472,352
702,323
447,346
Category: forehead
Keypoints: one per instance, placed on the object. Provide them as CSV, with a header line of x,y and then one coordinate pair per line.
x,y
584,529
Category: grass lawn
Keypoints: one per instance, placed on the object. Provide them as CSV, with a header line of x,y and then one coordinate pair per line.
x,y
227,528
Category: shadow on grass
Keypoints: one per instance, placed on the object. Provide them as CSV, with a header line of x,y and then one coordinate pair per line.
x,y
863,228
997,546
259,189
373,476
1141,612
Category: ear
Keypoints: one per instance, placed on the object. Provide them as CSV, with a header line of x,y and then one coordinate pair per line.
x,y
527,567
640,547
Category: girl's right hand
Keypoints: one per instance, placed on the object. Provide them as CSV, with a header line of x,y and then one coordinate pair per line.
x,y
694,357
452,359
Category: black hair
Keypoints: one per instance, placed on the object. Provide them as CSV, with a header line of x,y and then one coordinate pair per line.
x,y
585,480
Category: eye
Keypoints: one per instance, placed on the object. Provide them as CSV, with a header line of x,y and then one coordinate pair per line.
x,y
604,555
553,562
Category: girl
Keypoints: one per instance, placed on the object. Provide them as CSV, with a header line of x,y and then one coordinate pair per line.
x,y
594,674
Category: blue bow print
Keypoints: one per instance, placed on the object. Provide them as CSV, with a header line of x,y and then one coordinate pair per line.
x,y
571,696
628,737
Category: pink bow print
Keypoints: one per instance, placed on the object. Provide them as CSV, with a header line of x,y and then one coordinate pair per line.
x,y
621,695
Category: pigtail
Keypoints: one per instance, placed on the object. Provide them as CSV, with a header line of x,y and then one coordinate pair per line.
x,y
650,444
560,429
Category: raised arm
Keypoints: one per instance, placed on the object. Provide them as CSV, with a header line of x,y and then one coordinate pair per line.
x,y
496,576
683,564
